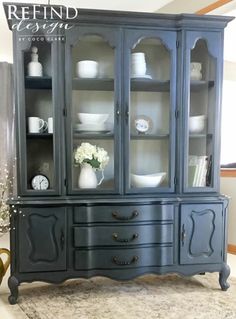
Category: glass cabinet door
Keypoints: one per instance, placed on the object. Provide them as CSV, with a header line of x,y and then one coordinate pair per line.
x,y
39,113
93,100
150,75
202,112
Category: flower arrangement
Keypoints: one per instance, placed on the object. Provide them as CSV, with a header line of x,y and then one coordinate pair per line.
x,y
6,184
96,156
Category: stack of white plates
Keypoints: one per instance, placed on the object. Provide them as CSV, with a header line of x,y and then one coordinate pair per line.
x,y
93,128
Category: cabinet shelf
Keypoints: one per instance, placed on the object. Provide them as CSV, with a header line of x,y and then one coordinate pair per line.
x,y
107,84
148,85
149,136
93,136
38,82
200,135
40,135
200,85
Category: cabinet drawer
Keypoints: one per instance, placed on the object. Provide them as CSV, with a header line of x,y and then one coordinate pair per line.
x,y
122,235
123,214
123,258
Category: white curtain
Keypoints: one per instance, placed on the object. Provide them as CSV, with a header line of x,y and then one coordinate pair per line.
x,y
7,115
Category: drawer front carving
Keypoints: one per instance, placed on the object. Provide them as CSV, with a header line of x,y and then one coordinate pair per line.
x,y
123,258
123,214
122,235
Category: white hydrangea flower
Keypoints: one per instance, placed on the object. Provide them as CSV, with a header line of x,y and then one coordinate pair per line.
x,y
88,153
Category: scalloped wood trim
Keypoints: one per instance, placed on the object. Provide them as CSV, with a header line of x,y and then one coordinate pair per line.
x,y
232,249
213,6
228,173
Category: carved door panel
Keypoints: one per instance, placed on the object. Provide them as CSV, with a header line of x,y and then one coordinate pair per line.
x,y
42,239
201,233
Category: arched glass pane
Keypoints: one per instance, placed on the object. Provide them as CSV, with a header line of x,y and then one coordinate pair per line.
x,y
150,69
92,113
39,111
201,116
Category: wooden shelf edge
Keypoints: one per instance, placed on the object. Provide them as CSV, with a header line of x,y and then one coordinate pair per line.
x,y
226,172
232,249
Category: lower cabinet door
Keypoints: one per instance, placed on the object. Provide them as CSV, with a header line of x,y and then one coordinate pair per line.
x,y
42,239
201,233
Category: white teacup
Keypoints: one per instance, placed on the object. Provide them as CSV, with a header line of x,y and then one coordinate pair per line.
x,y
87,69
36,125
50,125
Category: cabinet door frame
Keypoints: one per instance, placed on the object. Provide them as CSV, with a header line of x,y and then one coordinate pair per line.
x,y
169,40
57,99
189,216
214,42
113,37
58,236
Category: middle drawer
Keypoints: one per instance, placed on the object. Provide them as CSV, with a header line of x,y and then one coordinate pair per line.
x,y
123,235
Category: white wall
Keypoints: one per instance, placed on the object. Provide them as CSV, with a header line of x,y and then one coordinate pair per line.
x,y
228,187
5,38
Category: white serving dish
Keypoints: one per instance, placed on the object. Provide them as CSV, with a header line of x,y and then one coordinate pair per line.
x,y
92,118
145,76
93,128
150,180
87,69
196,123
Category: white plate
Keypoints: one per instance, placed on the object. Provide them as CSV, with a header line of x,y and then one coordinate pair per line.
x,y
146,76
92,128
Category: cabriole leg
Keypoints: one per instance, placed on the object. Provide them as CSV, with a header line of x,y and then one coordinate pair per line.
x,y
13,284
223,276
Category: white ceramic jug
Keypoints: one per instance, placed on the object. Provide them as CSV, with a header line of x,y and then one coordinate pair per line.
x,y
87,177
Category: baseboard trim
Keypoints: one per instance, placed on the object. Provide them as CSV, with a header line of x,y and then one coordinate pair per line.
x,y
232,249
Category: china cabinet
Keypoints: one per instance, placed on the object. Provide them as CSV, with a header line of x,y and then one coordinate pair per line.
x,y
148,94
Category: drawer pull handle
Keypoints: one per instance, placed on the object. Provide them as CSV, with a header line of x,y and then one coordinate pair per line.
x,y
124,263
183,235
132,216
62,239
124,240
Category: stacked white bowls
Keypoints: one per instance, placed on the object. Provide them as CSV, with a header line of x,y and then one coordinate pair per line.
x,y
87,69
138,64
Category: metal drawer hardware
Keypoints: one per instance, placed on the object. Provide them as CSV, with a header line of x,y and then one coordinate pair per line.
x,y
124,240
183,235
125,263
133,215
62,239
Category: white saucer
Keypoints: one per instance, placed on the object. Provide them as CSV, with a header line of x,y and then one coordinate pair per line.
x,y
145,76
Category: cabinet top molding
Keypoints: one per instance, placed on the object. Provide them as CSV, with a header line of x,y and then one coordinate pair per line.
x,y
18,11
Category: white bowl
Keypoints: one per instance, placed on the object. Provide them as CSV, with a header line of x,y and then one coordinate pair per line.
x,y
197,123
90,118
150,180
87,69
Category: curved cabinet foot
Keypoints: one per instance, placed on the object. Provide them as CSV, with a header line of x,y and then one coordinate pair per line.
x,y
13,284
223,276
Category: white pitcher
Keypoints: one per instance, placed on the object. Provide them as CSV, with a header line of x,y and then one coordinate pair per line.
x,y
87,177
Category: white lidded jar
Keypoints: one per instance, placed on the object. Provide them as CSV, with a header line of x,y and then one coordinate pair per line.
x,y
34,67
